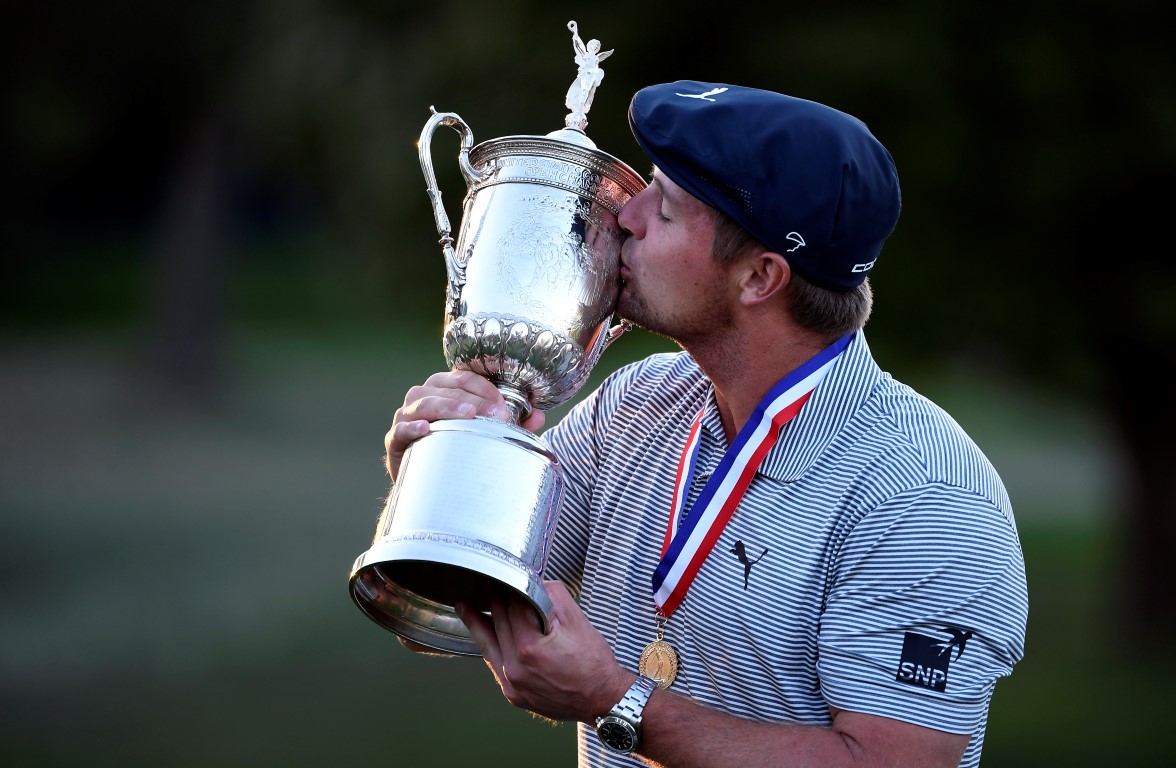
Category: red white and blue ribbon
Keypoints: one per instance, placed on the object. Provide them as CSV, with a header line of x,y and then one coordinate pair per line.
x,y
688,542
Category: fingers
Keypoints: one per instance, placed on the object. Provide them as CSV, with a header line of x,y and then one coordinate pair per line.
x,y
523,619
482,632
515,625
442,395
533,422
558,592
446,395
503,630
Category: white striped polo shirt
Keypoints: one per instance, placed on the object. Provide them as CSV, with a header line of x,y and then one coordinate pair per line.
x,y
881,570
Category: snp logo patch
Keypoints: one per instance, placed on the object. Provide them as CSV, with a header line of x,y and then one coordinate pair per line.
x,y
925,660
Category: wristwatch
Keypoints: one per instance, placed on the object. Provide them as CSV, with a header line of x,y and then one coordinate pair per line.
x,y
620,729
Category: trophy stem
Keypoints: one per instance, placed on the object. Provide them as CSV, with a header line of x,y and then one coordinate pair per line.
x,y
517,401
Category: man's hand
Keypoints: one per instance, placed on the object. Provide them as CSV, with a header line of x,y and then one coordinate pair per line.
x,y
447,395
569,673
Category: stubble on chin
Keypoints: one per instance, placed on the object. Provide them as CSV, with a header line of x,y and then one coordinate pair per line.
x,y
630,307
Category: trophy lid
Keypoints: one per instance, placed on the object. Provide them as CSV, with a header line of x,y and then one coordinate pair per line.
x,y
572,136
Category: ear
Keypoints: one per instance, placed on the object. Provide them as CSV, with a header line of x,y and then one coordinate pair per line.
x,y
765,275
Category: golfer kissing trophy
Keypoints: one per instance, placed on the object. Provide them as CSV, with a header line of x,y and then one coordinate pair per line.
x,y
533,285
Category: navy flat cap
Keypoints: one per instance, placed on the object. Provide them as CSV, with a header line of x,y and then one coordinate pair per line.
x,y
804,179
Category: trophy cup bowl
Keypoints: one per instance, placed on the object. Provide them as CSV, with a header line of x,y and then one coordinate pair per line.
x,y
533,281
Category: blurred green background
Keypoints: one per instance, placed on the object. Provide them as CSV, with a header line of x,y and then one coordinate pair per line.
x,y
221,274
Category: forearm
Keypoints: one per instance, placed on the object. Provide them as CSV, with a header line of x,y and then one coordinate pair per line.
x,y
676,732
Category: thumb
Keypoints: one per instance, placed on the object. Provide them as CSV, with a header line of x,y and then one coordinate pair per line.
x,y
534,421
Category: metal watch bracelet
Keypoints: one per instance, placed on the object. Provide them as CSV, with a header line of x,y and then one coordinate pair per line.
x,y
626,715
633,702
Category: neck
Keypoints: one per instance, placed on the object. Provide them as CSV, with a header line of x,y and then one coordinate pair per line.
x,y
743,373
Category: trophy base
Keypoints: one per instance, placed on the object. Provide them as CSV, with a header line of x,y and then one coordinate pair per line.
x,y
469,521
415,599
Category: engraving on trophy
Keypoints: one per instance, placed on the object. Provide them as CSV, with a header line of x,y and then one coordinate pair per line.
x,y
556,173
548,253
465,542
612,195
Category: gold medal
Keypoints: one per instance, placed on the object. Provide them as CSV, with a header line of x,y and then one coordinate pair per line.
x,y
659,661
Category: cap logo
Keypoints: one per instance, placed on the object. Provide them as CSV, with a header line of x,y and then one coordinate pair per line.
x,y
796,238
704,96
864,267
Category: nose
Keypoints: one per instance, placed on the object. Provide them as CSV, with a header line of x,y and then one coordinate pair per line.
x,y
628,218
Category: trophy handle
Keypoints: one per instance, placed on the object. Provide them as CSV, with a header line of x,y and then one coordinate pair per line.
x,y
453,266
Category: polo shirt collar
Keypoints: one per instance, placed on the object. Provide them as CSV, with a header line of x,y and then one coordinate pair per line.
x,y
834,402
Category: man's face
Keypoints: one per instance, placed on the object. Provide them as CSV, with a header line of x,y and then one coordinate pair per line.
x,y
671,284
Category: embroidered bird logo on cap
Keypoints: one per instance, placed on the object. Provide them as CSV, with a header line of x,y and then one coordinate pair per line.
x,y
704,96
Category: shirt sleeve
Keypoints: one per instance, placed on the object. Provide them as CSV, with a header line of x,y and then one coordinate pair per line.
x,y
926,609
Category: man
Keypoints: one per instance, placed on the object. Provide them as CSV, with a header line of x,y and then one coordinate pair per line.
x,y
811,564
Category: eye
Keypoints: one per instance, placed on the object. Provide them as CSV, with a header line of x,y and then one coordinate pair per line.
x,y
662,217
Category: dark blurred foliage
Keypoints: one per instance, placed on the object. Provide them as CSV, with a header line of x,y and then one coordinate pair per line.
x,y
177,169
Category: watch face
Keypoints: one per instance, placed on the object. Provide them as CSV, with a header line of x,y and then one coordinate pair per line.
x,y
617,734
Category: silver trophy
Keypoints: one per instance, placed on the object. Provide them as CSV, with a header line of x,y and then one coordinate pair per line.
x,y
533,284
